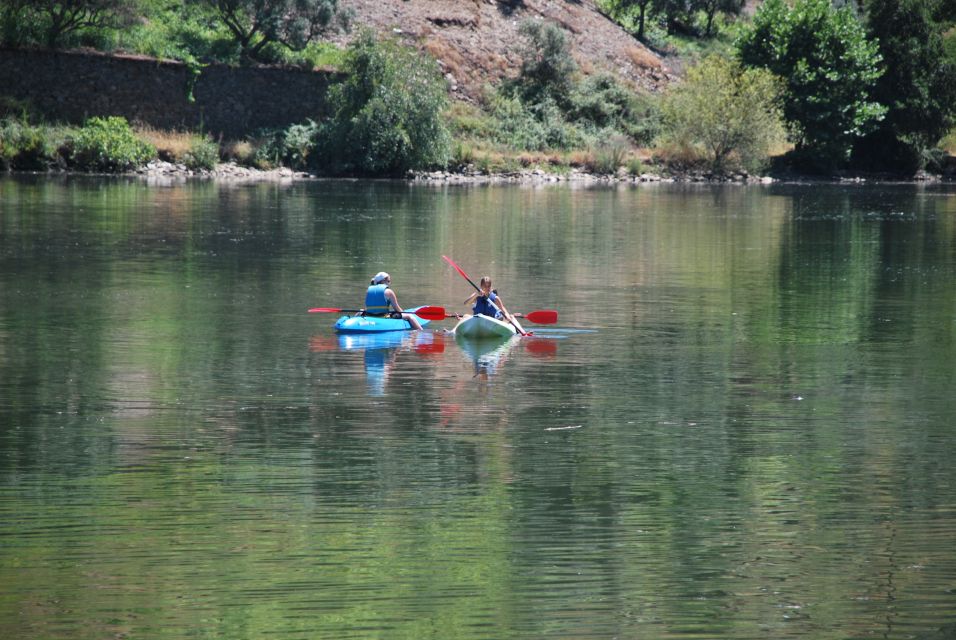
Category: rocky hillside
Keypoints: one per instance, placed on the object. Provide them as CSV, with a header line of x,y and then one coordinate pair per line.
x,y
476,41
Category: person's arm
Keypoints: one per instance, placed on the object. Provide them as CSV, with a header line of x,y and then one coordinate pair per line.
x,y
391,297
498,302
471,298
410,317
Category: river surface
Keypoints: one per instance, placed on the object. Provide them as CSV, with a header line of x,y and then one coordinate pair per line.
x,y
743,424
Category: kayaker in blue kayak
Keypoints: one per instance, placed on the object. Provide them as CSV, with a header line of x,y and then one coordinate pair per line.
x,y
487,301
380,300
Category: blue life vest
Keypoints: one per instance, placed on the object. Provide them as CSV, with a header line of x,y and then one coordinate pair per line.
x,y
485,306
376,304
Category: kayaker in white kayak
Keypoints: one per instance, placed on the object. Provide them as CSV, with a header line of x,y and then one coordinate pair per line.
x,y
487,301
380,300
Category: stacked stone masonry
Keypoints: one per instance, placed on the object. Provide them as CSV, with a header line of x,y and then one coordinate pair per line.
x,y
228,101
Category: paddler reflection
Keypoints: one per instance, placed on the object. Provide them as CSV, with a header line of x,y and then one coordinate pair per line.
x,y
488,355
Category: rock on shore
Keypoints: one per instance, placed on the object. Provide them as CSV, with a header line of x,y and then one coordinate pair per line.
x,y
228,171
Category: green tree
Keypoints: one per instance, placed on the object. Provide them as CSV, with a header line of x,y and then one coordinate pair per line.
x,y
547,68
829,68
727,110
677,14
387,113
918,88
256,25
635,9
712,7
58,18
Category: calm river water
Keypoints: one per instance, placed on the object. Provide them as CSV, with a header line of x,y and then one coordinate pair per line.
x,y
742,426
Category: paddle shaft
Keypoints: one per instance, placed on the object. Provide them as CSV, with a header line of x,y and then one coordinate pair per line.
x,y
429,313
462,272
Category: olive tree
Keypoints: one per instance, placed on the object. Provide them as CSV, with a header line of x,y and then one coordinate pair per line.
x,y
55,19
547,67
256,25
727,111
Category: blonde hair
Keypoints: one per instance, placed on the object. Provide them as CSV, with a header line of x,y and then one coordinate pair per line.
x,y
485,280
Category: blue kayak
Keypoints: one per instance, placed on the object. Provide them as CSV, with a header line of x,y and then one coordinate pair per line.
x,y
375,324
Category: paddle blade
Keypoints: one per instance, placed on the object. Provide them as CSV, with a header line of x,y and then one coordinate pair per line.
x,y
457,268
325,310
545,316
430,313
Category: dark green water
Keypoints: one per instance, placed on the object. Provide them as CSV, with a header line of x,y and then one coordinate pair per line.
x,y
743,425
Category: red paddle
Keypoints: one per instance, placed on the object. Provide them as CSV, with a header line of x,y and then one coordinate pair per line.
x,y
478,289
544,316
429,313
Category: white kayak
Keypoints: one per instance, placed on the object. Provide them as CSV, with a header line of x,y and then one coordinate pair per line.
x,y
482,326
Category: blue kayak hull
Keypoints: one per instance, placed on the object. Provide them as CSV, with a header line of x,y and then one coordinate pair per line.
x,y
374,324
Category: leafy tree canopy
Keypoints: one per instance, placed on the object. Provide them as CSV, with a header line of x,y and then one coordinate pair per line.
x,y
729,111
829,68
918,88
55,19
387,113
257,25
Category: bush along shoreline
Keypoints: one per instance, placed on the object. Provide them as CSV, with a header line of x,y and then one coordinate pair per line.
x,y
110,146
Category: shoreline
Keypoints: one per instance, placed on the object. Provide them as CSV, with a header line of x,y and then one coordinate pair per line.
x,y
162,173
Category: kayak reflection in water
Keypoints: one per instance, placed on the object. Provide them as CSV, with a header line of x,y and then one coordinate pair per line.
x,y
380,352
380,300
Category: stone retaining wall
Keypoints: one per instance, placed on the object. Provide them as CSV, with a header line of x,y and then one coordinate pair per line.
x,y
228,101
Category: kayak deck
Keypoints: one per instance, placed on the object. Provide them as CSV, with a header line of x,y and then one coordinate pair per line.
x,y
484,327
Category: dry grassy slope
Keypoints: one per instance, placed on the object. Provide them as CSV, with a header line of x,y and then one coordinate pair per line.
x,y
475,41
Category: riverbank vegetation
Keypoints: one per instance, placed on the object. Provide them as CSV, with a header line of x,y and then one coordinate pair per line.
x,y
806,87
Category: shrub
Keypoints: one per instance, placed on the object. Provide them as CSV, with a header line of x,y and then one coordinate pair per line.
x,y
239,151
267,148
634,166
203,154
466,120
602,102
534,127
729,112
108,144
26,147
462,154
291,147
609,155
547,68
387,113
680,155
170,145
948,143
298,141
